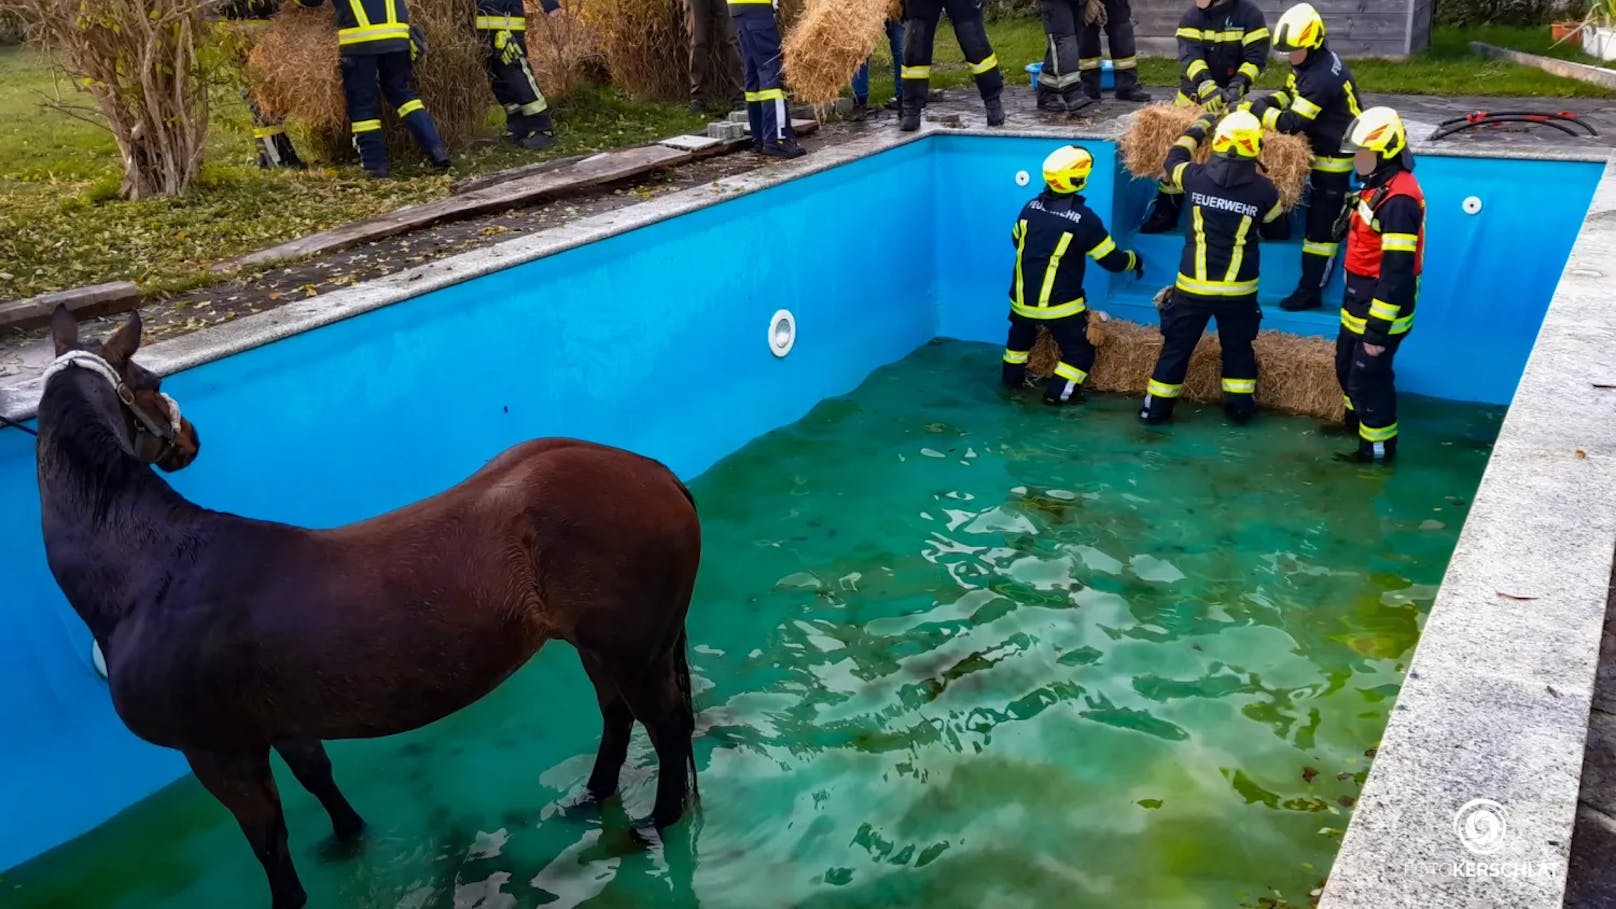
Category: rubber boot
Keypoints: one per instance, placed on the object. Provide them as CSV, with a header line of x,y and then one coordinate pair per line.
x,y
995,110
1303,298
1156,410
914,104
1163,217
1240,411
425,133
1050,101
372,153
540,131
1077,100
754,119
1014,376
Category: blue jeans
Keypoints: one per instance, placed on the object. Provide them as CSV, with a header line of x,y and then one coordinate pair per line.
x,y
861,79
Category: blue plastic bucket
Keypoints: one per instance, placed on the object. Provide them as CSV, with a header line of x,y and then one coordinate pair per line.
x,y
1107,73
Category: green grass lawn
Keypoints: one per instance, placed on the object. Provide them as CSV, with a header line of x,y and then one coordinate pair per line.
x,y
61,225
1448,68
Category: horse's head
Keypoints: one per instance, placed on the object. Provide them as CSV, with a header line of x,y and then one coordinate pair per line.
x,y
153,427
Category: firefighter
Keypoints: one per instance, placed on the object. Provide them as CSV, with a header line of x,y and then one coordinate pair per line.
x,y
1116,17
1385,255
920,31
1231,203
1222,49
377,45
268,130
1319,100
504,27
1052,236
766,107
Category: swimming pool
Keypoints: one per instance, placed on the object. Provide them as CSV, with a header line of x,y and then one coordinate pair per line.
x,y
635,339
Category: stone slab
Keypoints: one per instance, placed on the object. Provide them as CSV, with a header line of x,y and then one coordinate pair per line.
x,y
691,143
1566,69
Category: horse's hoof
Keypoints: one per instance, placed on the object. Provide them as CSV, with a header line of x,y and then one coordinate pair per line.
x,y
586,802
349,830
337,849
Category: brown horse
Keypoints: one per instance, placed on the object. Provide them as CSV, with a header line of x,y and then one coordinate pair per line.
x,y
227,637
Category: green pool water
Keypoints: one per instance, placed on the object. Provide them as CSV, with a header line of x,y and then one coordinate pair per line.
x,y
952,648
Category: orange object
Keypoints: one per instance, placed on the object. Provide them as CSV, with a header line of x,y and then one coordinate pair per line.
x,y
1559,31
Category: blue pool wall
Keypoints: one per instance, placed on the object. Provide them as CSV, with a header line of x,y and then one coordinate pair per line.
x,y
1487,282
654,340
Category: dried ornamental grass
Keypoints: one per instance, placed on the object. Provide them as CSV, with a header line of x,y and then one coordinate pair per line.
x,y
828,45
1296,375
564,50
644,43
1287,159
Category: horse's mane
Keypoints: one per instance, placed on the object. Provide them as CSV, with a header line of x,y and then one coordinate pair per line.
x,y
76,430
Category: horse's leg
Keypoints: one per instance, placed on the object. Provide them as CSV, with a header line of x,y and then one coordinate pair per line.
x,y
309,764
243,783
617,724
659,696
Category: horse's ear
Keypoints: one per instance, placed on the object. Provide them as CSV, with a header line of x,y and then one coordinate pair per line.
x,y
64,329
124,342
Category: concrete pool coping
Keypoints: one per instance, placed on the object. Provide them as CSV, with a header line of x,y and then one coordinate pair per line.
x,y
1496,701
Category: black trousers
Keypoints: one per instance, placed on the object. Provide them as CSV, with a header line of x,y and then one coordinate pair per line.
x,y
1119,36
920,32
1327,192
1061,77
1368,383
1183,321
1077,354
712,80
514,87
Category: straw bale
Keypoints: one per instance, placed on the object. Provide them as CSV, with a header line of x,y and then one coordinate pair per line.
x,y
294,73
1286,159
1296,374
829,43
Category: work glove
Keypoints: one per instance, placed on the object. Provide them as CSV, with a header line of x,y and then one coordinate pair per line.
x,y
1344,220
418,45
1138,264
1209,96
1233,95
507,48
1094,13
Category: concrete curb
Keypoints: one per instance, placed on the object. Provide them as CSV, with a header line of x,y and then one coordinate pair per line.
x,y
1565,69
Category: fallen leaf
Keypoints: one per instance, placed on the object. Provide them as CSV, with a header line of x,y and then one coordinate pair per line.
x,y
1582,455
1511,596
1552,691
1308,773
1603,385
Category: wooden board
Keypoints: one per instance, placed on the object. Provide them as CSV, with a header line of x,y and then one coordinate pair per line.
x,y
83,302
1568,69
606,167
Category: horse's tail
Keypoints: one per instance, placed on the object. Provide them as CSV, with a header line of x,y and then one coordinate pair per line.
x,y
687,703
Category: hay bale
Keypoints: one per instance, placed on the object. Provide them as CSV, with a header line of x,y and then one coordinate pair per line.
x,y
1287,159
645,45
1296,374
294,73
828,45
564,50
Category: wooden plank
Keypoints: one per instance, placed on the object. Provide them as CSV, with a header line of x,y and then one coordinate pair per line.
x,y
582,173
527,170
1567,69
83,302
607,167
